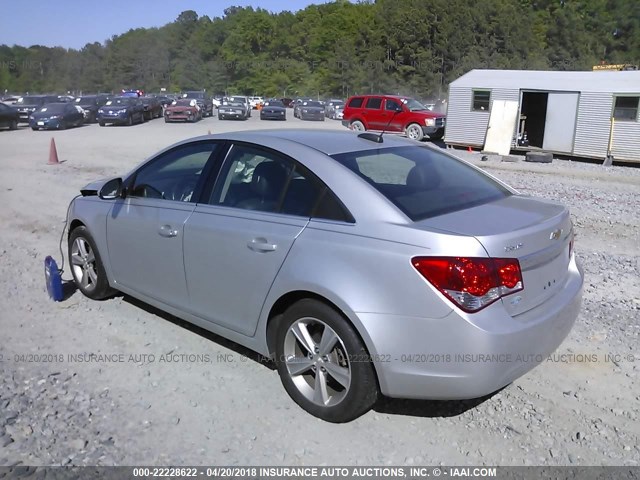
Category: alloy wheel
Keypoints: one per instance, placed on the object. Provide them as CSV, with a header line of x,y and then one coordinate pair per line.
x,y
83,263
317,362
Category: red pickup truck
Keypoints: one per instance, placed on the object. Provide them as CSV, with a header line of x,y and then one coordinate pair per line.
x,y
393,113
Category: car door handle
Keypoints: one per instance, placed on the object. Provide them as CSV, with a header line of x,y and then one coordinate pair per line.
x,y
261,245
167,231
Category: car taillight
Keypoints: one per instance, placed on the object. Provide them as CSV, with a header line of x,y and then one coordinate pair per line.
x,y
471,283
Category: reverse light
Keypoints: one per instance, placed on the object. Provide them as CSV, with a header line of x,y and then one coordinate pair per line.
x,y
471,283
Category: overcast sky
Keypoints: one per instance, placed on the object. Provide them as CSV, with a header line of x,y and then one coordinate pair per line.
x,y
74,23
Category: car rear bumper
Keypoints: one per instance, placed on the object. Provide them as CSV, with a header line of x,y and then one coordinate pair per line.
x,y
462,356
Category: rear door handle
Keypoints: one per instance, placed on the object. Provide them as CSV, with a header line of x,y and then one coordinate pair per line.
x,y
167,231
261,245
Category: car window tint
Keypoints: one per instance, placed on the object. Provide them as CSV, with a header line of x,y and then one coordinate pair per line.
x,y
256,179
374,103
422,182
392,105
175,174
330,208
356,102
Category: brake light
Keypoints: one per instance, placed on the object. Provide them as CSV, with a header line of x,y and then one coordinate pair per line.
x,y
471,283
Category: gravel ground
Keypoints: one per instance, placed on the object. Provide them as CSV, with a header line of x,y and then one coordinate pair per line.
x,y
168,393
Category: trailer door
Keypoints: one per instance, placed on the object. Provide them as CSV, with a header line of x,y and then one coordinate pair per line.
x,y
560,124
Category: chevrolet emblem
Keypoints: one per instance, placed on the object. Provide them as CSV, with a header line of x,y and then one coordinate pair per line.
x,y
556,234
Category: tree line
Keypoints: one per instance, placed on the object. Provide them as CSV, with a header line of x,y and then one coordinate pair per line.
x,y
412,47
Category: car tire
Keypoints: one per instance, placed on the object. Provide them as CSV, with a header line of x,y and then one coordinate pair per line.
x,y
414,132
102,124
538,157
219,117
130,120
346,389
86,265
357,126
35,129
13,125
166,120
62,125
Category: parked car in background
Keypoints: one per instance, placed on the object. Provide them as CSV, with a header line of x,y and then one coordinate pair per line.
x,y
90,104
131,93
152,107
9,99
121,111
338,112
356,259
183,110
234,107
204,101
164,100
393,114
297,103
311,110
256,102
9,117
330,106
66,98
273,110
30,103
288,102
57,116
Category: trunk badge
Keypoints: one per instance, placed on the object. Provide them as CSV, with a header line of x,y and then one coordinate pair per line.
x,y
511,248
556,234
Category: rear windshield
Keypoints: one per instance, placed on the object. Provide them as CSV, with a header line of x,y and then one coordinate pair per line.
x,y
422,182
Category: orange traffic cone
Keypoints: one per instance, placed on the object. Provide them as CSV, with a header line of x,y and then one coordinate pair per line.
x,y
53,154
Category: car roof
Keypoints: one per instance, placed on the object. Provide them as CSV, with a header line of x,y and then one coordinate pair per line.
x,y
329,142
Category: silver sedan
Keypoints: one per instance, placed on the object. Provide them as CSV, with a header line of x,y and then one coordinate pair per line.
x,y
363,265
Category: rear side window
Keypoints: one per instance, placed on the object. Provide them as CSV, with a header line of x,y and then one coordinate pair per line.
x,y
374,103
258,179
356,102
422,182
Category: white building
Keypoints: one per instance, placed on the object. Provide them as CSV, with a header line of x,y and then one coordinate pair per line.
x,y
585,114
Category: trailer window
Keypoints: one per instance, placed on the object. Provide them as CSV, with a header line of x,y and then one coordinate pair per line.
x,y
626,108
481,100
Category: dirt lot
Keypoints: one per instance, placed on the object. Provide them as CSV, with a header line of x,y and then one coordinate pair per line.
x,y
211,402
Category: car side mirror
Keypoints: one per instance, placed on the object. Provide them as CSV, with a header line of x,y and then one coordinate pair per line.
x,y
111,190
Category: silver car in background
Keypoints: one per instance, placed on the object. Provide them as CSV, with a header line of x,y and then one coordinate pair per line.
x,y
362,265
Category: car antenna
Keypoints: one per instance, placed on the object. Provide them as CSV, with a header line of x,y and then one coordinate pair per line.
x,y
378,137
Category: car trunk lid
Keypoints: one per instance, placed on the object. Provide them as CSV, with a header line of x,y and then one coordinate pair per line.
x,y
536,232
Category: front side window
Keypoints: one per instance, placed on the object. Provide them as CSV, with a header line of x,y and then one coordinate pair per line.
x,y
481,100
422,182
392,105
626,108
175,174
